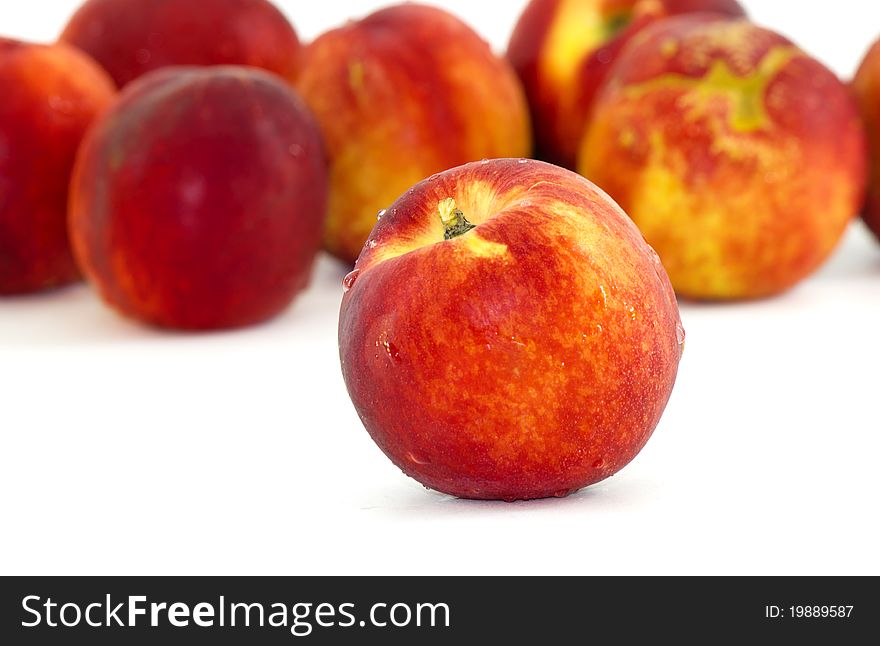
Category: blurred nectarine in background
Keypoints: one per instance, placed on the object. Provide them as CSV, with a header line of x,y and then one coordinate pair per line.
x,y
133,37
563,49
406,92
867,89
50,96
198,200
508,334
740,158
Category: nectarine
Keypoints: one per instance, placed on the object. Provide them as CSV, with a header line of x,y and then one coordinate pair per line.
x,y
563,49
406,92
50,96
197,201
867,90
740,158
508,334
133,37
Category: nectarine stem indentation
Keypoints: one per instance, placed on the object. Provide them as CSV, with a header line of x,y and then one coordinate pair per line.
x,y
453,219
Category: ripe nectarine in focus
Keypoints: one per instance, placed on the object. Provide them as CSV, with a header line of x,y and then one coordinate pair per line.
x,y
740,158
50,96
133,37
508,334
404,93
197,201
867,89
563,49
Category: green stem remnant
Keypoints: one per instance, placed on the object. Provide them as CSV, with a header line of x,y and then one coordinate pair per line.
x,y
453,219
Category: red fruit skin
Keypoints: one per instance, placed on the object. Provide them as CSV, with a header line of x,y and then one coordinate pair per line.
x,y
51,95
197,201
133,37
561,105
866,86
527,358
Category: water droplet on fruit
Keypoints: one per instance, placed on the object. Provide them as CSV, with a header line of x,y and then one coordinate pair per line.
x,y
598,464
348,281
562,493
380,214
295,149
509,498
372,243
417,458
680,336
61,105
484,161
522,160
391,350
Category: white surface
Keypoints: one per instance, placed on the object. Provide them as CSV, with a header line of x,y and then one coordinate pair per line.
x,y
125,450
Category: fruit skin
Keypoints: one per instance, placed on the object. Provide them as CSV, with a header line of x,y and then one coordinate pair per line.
x,y
740,158
52,94
527,358
564,49
406,92
197,201
133,37
866,86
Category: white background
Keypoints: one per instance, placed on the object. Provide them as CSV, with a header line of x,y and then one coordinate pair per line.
x,y
126,450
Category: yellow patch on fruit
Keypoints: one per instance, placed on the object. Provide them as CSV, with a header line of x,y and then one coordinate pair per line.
x,y
472,244
669,48
744,94
627,138
357,75
735,38
698,259
578,28
401,247
659,197
480,201
482,248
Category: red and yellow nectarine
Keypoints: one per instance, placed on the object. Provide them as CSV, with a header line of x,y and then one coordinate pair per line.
x,y
508,334
867,89
197,201
740,158
51,95
406,92
563,49
133,37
